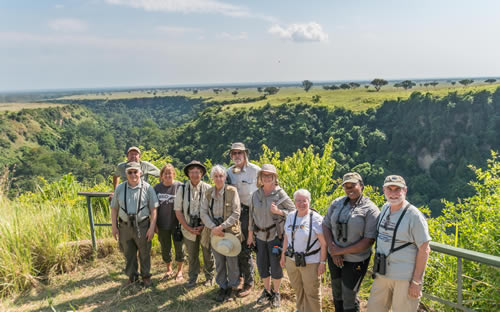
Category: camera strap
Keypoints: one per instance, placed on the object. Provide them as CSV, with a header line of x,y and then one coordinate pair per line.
x,y
189,200
395,230
212,206
125,199
309,245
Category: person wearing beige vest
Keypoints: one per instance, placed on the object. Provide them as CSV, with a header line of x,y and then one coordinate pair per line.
x,y
220,212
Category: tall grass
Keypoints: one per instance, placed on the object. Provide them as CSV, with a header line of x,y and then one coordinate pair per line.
x,y
35,228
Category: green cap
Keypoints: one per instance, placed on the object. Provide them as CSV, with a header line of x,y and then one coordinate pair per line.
x,y
352,177
394,180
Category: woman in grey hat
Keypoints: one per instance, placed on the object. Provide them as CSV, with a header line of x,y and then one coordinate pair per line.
x,y
269,207
220,212
349,228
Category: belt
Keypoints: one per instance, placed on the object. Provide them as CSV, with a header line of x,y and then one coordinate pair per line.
x,y
267,230
133,223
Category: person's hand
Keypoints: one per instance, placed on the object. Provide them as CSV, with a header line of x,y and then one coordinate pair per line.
x,y
199,229
335,250
150,233
250,241
275,209
218,231
110,197
114,231
414,291
321,268
282,260
338,261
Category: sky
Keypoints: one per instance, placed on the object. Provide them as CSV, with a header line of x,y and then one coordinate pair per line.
x,y
62,44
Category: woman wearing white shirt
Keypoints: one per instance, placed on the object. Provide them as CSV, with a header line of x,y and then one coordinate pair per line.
x,y
304,252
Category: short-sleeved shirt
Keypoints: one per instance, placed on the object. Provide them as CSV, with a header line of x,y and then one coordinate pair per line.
x,y
361,219
260,211
412,229
166,219
245,181
302,229
147,169
130,204
218,209
183,202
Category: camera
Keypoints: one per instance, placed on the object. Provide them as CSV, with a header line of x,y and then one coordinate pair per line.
x,y
218,221
194,221
277,250
300,259
341,231
289,252
379,264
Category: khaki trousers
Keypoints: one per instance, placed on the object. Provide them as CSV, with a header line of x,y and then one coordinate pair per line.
x,y
193,255
306,283
386,292
131,243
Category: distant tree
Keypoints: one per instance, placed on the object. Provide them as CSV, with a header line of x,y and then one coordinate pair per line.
x,y
426,84
306,84
408,84
326,87
316,98
354,85
259,89
216,91
466,82
195,91
345,86
453,83
234,92
490,80
271,90
367,86
378,83
434,83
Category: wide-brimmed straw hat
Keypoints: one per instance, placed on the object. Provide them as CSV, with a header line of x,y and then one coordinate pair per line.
x,y
229,245
195,163
238,146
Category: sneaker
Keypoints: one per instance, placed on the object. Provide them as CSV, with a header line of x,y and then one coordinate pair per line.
x,y
265,297
221,295
245,291
276,300
209,282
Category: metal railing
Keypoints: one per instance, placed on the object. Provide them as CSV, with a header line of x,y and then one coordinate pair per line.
x,y
461,253
89,196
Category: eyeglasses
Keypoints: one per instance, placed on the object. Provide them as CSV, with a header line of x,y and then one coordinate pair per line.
x,y
237,153
132,172
267,175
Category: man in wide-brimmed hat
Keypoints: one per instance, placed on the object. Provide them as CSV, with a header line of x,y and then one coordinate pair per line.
x,y
187,209
133,217
403,242
243,175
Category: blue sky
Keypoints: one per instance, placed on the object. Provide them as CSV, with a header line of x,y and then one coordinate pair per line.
x,y
118,43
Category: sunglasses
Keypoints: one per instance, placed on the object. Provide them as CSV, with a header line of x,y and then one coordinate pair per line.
x,y
132,172
237,153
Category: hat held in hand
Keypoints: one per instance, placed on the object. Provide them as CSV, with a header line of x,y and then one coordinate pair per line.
x,y
228,245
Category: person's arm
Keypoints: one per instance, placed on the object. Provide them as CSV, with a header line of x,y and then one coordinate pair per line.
x,y
235,214
323,252
116,181
285,247
250,223
415,289
179,213
330,245
152,225
205,217
114,225
358,247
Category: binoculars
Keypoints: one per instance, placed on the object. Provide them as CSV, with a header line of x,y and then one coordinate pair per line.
x,y
289,252
341,232
131,219
379,264
218,221
194,221
300,259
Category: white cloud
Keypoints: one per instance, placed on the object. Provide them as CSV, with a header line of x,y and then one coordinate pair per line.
x,y
184,6
300,32
240,36
68,25
175,30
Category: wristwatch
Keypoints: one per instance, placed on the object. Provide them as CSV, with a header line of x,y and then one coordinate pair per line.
x,y
322,262
416,283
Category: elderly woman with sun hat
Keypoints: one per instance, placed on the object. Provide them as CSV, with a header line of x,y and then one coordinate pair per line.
x,y
269,208
220,212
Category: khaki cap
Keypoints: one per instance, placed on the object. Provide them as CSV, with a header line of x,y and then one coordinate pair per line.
x,y
352,177
394,180
132,166
133,148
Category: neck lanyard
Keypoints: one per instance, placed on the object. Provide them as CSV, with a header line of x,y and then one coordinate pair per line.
x,y
139,202
310,231
189,199
212,205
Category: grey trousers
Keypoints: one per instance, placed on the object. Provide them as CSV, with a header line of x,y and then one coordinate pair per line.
x,y
131,243
227,271
165,239
193,255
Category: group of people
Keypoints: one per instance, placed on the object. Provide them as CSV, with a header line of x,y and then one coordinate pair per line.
x,y
247,210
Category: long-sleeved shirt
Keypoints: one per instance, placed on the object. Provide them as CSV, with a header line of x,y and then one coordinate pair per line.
x,y
219,207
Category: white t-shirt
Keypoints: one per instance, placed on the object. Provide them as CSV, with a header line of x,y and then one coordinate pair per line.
x,y
303,226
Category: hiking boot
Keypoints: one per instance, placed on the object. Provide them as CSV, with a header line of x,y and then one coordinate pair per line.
x,y
265,297
229,294
209,282
245,291
191,284
221,295
276,300
146,282
132,280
